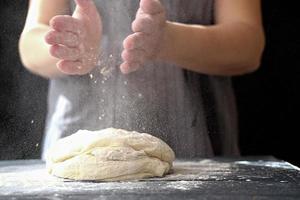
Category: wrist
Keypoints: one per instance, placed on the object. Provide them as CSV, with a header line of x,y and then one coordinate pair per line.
x,y
167,42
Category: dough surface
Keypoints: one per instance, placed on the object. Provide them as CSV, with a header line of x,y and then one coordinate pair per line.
x,y
109,155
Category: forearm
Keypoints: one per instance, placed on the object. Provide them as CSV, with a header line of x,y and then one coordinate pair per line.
x,y
225,49
34,52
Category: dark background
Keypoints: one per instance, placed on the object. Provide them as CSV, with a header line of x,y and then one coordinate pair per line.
x,y
268,100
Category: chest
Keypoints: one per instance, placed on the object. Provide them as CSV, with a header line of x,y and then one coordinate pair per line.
x,y
184,11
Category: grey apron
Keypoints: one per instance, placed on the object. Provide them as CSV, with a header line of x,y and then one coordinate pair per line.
x,y
194,113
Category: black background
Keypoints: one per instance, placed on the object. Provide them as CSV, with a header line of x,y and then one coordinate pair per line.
x,y
268,100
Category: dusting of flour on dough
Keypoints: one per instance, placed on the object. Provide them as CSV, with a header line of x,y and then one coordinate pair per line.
x,y
110,154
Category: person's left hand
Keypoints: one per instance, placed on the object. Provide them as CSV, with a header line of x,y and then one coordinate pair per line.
x,y
148,35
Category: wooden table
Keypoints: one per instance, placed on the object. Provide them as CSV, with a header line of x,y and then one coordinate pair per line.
x,y
219,178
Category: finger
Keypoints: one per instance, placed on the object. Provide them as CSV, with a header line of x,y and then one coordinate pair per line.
x,y
85,9
144,23
71,67
135,41
151,6
84,5
68,39
66,23
127,67
140,41
65,53
136,55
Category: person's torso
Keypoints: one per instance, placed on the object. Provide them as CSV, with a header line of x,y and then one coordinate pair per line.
x,y
160,98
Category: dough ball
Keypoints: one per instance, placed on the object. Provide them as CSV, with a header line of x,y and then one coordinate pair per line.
x,y
108,155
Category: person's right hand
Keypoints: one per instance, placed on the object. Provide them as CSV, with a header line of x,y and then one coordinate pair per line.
x,y
75,40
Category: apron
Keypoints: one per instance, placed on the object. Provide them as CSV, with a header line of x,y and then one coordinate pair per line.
x,y
194,113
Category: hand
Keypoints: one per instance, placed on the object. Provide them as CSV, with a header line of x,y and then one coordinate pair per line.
x,y
75,40
148,33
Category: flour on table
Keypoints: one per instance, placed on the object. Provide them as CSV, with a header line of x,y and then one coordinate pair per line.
x,y
109,155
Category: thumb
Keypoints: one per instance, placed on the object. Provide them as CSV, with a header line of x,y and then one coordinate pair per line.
x,y
84,7
151,6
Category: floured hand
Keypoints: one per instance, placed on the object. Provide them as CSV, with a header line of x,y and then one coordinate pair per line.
x,y
148,33
75,39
